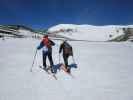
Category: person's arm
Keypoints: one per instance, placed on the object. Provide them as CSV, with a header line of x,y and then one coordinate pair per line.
x,y
40,45
52,43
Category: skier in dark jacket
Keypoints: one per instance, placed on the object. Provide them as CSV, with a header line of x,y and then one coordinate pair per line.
x,y
46,44
67,51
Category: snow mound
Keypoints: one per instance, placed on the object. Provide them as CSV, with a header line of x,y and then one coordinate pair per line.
x,y
88,32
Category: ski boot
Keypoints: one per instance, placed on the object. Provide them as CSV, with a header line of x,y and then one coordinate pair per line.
x,y
68,69
44,68
52,70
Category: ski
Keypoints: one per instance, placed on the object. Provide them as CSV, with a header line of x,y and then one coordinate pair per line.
x,y
49,72
65,70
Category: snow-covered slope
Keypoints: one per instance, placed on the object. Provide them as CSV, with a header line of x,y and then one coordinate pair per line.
x,y
88,32
104,72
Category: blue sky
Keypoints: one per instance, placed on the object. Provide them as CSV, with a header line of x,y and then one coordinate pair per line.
x,y
41,14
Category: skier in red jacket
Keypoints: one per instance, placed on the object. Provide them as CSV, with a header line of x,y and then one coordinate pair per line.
x,y
46,44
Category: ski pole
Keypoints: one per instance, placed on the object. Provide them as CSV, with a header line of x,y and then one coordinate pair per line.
x,y
33,60
59,58
73,59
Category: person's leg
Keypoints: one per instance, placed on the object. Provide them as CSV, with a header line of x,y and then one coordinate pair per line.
x,y
44,60
66,62
65,57
50,60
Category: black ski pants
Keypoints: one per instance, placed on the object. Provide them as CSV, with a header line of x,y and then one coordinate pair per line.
x,y
49,55
65,57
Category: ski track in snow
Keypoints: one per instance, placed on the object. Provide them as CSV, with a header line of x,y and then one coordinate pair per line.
x,y
104,72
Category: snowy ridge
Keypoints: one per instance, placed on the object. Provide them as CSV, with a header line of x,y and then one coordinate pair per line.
x,y
15,31
26,33
89,32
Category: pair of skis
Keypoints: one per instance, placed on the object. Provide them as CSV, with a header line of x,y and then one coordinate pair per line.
x,y
49,72
62,67
65,70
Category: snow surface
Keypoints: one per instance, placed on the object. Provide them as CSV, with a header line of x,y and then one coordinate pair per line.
x,y
104,72
89,32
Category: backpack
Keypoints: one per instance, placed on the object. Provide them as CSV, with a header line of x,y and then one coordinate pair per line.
x,y
68,49
46,42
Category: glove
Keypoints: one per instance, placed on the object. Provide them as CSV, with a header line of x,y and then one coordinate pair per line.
x,y
38,48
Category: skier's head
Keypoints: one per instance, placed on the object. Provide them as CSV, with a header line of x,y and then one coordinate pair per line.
x,y
65,40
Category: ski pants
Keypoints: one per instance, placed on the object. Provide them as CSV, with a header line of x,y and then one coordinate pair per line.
x,y
49,55
65,57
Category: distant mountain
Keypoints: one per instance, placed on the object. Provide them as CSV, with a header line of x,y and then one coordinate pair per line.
x,y
92,33
72,32
17,27
15,31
